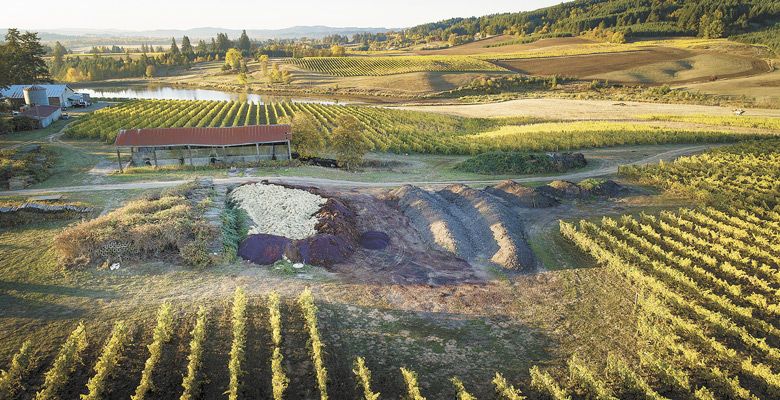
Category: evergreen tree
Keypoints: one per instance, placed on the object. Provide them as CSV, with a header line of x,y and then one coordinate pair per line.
x,y
223,43
58,54
174,48
186,46
244,44
201,48
21,59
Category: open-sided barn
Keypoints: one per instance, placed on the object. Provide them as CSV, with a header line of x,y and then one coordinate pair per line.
x,y
204,146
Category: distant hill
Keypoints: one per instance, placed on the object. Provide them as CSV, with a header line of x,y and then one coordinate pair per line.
x,y
315,32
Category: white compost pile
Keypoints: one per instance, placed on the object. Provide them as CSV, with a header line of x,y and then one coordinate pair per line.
x,y
276,210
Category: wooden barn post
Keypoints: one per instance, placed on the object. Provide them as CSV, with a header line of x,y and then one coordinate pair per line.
x,y
119,160
154,153
189,150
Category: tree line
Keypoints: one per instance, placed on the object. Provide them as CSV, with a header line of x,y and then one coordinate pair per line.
x,y
707,18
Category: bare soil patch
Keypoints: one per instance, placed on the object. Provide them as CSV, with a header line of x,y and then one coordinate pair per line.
x,y
592,64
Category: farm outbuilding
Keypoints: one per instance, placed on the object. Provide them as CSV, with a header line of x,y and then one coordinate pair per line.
x,y
45,115
205,146
56,95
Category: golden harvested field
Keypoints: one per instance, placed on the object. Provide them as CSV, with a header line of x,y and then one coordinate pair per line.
x,y
481,47
764,87
642,63
565,109
705,66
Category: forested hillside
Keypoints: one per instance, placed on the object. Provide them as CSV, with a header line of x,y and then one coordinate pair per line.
x,y
708,18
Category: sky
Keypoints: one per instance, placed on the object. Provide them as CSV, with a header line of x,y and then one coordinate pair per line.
x,y
246,14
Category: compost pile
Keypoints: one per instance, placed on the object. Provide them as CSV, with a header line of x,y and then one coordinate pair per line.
x,y
296,223
472,224
478,225
276,210
565,190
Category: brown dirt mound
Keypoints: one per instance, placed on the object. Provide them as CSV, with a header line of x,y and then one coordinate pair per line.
x,y
337,219
486,212
561,190
521,196
565,190
430,215
609,188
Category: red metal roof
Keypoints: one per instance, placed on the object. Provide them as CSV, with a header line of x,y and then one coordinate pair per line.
x,y
39,111
233,136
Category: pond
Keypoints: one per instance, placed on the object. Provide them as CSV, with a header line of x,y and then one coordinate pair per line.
x,y
164,92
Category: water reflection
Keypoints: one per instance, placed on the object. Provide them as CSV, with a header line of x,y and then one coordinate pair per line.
x,y
161,92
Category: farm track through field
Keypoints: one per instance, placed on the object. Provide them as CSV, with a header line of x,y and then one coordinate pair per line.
x,y
308,181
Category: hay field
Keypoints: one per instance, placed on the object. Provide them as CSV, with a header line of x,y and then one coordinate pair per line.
x,y
565,109
654,62
481,47
764,87
708,66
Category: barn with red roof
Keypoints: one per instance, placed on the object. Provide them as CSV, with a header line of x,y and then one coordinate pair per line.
x,y
205,146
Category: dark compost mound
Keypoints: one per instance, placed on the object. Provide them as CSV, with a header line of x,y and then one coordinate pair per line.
x,y
521,196
374,240
264,249
323,249
609,188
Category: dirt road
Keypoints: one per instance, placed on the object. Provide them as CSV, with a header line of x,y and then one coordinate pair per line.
x,y
565,109
321,182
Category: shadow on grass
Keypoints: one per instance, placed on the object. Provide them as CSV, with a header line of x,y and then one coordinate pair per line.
x,y
56,290
17,307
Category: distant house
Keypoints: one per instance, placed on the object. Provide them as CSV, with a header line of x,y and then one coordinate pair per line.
x,y
45,115
204,146
57,95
